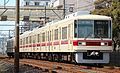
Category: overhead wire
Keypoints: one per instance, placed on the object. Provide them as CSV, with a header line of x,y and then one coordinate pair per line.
x,y
6,2
4,8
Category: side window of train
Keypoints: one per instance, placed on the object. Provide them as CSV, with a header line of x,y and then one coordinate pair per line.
x,y
69,31
46,37
64,32
75,28
30,39
38,38
23,41
56,34
33,38
26,40
50,35
20,41
59,32
43,37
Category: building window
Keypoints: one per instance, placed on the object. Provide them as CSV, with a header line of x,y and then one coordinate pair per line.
x,y
36,3
46,3
27,3
56,34
64,33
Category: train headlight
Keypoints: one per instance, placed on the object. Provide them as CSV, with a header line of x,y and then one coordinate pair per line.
x,y
104,43
82,43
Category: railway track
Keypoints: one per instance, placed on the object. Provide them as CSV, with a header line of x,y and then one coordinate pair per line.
x,y
55,67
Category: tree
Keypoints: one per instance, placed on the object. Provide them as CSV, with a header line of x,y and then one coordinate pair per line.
x,y
110,8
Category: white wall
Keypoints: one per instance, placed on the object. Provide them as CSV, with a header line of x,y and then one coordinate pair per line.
x,y
77,4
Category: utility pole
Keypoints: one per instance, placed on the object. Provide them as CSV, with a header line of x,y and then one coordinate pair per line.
x,y
16,55
45,15
64,9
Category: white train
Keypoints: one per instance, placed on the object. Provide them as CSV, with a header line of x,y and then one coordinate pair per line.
x,y
80,39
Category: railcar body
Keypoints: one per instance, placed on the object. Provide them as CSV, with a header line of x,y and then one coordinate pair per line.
x,y
82,39
10,47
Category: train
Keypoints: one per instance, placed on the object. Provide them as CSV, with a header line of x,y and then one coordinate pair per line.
x,y
83,39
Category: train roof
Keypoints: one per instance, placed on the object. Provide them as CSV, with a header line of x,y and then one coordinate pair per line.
x,y
25,33
82,17
94,17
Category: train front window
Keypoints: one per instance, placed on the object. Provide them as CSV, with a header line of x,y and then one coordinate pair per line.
x,y
85,28
102,29
92,29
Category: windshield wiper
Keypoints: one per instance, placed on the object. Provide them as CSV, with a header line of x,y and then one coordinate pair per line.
x,y
87,36
99,37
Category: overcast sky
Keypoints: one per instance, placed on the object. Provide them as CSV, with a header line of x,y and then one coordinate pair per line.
x,y
10,2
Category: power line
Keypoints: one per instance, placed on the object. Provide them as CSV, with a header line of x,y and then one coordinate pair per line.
x,y
3,12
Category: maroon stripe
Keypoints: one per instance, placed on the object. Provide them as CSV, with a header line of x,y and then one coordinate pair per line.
x,y
109,43
75,43
93,43
64,42
20,46
56,43
38,44
30,45
43,44
26,45
23,46
34,45
49,44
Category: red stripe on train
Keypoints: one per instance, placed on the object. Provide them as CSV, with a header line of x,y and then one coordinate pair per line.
x,y
38,44
34,45
92,42
43,44
56,43
49,43
64,42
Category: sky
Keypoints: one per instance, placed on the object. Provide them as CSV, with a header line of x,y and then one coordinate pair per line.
x,y
10,2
